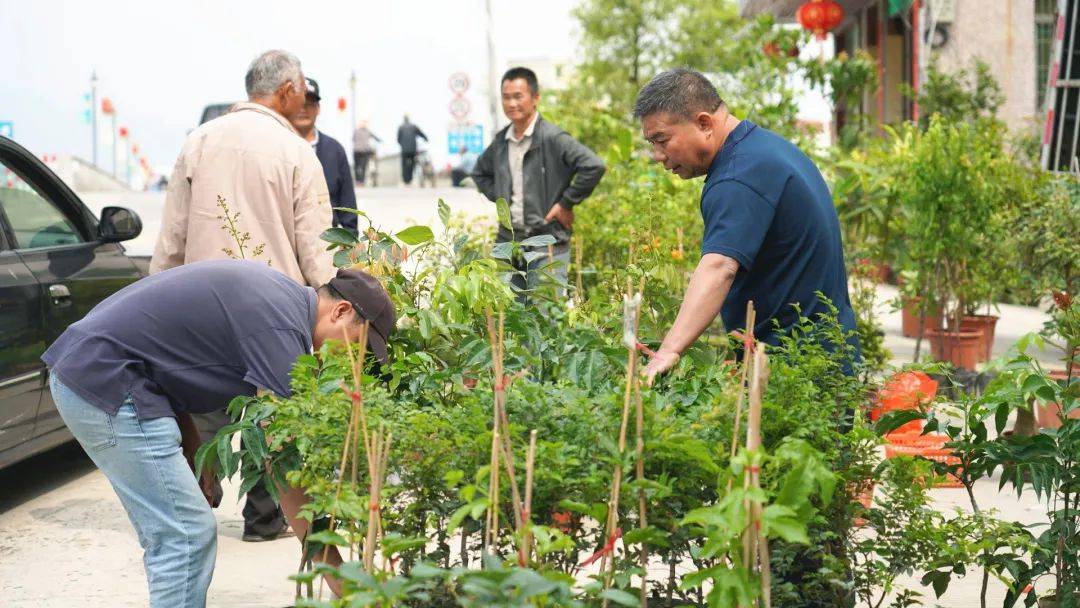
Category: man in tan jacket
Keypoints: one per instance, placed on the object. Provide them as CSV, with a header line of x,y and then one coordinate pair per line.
x,y
250,168
246,185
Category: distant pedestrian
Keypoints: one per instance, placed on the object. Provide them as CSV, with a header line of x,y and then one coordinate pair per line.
x,y
331,154
273,187
463,166
407,136
539,169
363,151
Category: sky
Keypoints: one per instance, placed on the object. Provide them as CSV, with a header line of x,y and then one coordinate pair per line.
x,y
161,62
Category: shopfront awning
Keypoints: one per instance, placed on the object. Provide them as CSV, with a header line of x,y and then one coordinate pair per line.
x,y
784,10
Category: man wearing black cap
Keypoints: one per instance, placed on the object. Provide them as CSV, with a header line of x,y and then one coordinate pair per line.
x,y
128,376
332,155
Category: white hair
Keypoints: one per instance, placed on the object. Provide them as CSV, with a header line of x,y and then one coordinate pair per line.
x,y
270,70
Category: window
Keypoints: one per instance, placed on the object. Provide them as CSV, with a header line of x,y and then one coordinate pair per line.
x,y
1044,42
35,221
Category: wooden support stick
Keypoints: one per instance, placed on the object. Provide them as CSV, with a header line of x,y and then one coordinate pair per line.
x,y
526,515
493,494
753,443
616,482
578,257
640,464
750,318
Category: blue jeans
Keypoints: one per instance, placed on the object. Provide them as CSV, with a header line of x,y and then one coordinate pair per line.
x,y
143,461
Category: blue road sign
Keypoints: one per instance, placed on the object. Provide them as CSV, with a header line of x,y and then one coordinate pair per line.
x,y
7,128
471,138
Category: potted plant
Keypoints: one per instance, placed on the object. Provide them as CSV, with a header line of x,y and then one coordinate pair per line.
x,y
950,197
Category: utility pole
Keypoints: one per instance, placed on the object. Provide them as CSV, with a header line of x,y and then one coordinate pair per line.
x,y
93,116
352,103
115,148
493,85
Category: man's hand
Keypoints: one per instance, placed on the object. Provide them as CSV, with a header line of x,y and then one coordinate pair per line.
x,y
660,362
208,485
564,215
189,444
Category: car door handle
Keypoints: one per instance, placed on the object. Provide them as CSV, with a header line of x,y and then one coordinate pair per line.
x,y
60,294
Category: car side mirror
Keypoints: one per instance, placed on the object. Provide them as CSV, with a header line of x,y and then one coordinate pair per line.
x,y
118,224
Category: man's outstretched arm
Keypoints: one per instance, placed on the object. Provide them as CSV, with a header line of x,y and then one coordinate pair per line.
x,y
709,286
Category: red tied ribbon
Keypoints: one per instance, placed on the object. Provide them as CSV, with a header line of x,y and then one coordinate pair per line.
x,y
502,383
645,349
747,342
354,395
754,469
607,548
373,506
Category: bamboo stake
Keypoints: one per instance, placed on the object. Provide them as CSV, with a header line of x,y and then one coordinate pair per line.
x,y
356,412
751,317
642,520
755,544
502,424
630,308
578,257
381,445
493,494
526,515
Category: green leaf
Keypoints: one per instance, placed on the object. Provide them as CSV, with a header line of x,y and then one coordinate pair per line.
x,y
415,235
620,597
339,236
343,258
444,212
502,208
939,579
894,419
328,537
540,240
503,250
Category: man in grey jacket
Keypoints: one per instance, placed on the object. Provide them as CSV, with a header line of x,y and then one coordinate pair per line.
x,y
539,169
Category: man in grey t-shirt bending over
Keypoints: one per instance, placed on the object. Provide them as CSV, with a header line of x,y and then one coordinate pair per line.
x,y
127,378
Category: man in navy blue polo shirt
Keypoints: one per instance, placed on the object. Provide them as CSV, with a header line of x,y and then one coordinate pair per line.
x,y
127,378
771,232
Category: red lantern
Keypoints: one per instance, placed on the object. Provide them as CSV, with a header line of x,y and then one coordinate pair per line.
x,y
820,16
341,104
107,106
123,132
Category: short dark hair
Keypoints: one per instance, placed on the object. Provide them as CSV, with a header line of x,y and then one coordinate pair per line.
x,y
525,74
680,92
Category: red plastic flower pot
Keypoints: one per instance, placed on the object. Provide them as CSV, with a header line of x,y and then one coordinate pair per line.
x,y
984,325
1048,415
964,349
910,321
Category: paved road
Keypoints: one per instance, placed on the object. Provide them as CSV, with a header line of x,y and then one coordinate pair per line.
x,y
65,540
390,208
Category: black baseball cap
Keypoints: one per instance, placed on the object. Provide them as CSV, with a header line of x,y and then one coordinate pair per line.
x,y
370,300
313,89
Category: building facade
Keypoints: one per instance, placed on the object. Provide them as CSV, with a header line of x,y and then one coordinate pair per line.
x,y
1013,37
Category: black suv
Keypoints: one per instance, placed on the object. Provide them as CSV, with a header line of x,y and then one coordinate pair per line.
x,y
57,261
